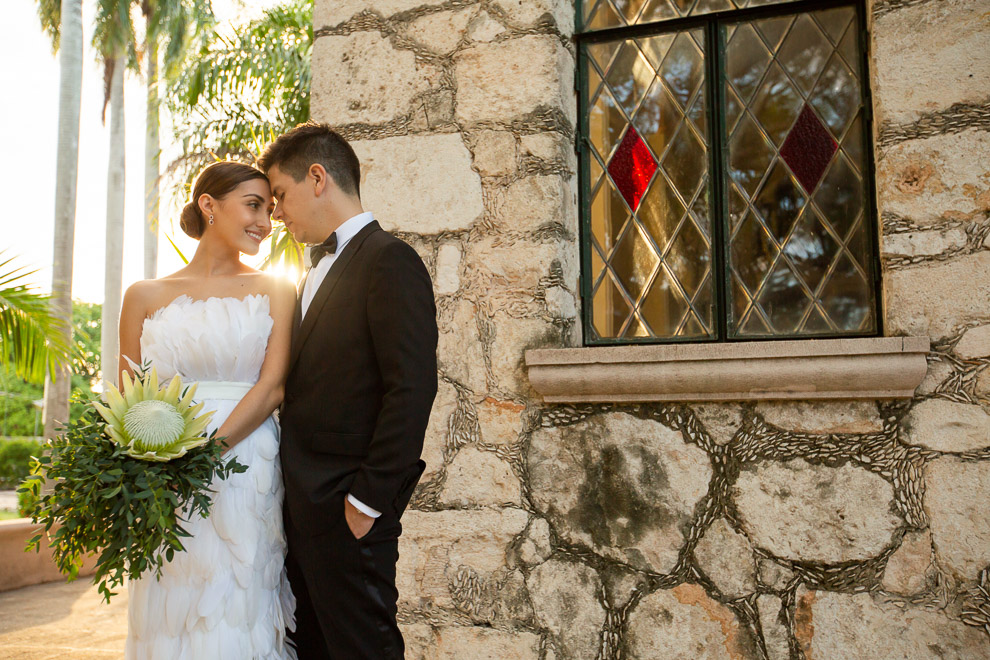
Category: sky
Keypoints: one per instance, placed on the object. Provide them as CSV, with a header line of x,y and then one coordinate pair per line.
x,y
30,74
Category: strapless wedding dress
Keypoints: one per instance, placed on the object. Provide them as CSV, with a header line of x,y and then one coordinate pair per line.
x,y
226,597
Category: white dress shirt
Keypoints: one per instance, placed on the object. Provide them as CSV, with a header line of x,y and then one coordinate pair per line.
x,y
315,277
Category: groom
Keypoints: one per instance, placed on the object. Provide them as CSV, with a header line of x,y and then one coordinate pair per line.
x,y
362,379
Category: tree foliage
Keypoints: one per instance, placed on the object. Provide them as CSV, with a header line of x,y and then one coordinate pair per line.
x,y
234,90
175,24
18,413
233,94
31,340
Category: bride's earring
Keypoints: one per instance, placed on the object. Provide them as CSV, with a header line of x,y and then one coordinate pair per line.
x,y
211,219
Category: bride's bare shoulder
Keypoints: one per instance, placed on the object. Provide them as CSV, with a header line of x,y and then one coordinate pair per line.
x,y
145,296
138,297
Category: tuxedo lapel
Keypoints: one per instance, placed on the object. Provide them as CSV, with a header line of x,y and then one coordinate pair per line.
x,y
326,289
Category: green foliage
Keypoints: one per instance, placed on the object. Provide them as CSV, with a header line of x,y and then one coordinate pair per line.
x,y
127,510
231,89
26,502
284,250
113,32
173,23
31,337
87,324
50,14
15,459
18,414
232,95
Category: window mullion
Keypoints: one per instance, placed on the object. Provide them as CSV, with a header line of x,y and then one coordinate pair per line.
x,y
584,183
718,207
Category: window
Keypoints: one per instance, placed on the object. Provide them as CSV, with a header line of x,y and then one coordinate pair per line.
x,y
726,169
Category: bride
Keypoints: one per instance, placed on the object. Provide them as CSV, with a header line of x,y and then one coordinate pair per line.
x,y
226,326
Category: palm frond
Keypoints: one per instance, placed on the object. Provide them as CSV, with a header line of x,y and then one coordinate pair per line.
x,y
50,13
256,81
32,338
177,250
285,250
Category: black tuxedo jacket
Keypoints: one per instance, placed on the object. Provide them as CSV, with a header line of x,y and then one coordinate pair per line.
x,y
361,383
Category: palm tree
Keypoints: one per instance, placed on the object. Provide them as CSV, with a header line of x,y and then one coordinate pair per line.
x,y
168,23
114,39
234,93
114,259
62,19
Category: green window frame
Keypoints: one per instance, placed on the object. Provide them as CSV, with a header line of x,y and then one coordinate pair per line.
x,y
739,208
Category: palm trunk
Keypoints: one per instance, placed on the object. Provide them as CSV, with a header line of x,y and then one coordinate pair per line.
x,y
151,151
70,100
113,282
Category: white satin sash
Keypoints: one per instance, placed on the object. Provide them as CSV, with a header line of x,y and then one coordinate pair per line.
x,y
221,390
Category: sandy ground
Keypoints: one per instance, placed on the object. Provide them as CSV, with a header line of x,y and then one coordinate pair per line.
x,y
62,620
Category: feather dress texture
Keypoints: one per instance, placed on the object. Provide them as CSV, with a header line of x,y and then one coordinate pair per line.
x,y
226,596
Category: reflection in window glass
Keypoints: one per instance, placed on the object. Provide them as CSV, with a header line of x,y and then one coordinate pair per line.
x,y
796,173
650,232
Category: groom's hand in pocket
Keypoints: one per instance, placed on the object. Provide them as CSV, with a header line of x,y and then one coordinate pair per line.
x,y
359,523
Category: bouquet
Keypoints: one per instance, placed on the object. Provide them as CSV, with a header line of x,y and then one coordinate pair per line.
x,y
126,476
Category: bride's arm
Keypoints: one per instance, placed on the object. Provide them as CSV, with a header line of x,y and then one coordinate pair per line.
x,y
266,395
132,313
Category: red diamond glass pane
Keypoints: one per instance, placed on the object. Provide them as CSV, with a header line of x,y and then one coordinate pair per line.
x,y
808,149
632,167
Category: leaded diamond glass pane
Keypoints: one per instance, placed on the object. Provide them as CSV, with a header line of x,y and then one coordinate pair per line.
x,y
634,261
629,77
630,9
605,123
649,215
799,245
664,306
610,310
604,13
602,16
783,298
608,215
745,70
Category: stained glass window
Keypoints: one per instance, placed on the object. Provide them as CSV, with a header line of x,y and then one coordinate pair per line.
x,y
725,166
647,129
601,14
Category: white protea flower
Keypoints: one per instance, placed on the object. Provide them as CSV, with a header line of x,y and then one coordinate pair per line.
x,y
153,423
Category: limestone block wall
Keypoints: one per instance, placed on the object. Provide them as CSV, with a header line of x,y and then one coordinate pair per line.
x,y
769,530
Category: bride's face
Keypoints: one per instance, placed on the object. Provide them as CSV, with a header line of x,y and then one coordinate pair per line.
x,y
244,216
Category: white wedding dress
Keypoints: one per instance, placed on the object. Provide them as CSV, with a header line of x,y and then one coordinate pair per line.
x,y
226,597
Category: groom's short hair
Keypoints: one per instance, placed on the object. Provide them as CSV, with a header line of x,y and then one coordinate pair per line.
x,y
293,152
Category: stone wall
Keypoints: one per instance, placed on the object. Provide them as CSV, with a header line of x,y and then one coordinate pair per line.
x,y
770,530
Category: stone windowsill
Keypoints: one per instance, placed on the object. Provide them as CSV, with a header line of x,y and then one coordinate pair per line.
x,y
867,368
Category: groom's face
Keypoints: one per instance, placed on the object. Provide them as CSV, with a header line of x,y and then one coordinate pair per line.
x,y
296,205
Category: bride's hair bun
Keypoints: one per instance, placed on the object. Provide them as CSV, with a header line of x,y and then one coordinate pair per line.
x,y
216,180
191,220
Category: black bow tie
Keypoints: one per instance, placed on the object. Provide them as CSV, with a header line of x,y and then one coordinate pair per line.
x,y
317,252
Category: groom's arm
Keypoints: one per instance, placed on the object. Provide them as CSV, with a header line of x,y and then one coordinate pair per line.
x,y
403,322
